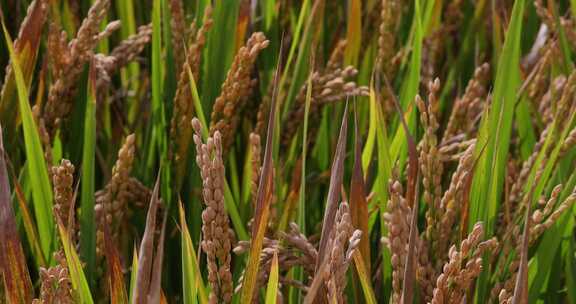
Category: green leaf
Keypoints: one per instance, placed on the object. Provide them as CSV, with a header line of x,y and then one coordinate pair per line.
x,y
159,138
368,150
79,282
380,186
272,289
353,32
130,74
494,135
495,130
29,224
220,50
526,134
301,217
570,268
409,91
42,194
541,262
192,283
364,276
87,216
196,102
133,273
302,44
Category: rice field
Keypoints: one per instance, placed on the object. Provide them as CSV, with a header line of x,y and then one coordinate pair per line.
x,y
287,151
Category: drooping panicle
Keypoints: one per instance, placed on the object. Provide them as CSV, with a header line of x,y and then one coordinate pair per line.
x,y
236,89
330,87
73,57
467,107
180,131
386,39
463,267
115,203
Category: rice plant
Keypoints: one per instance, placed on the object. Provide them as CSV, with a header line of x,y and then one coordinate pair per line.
x,y
277,151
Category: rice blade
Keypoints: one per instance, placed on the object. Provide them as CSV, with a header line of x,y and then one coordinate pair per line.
x,y
358,203
17,283
145,256
263,201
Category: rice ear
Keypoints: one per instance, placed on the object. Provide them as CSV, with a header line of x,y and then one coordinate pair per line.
x,y
463,266
178,31
236,89
216,232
